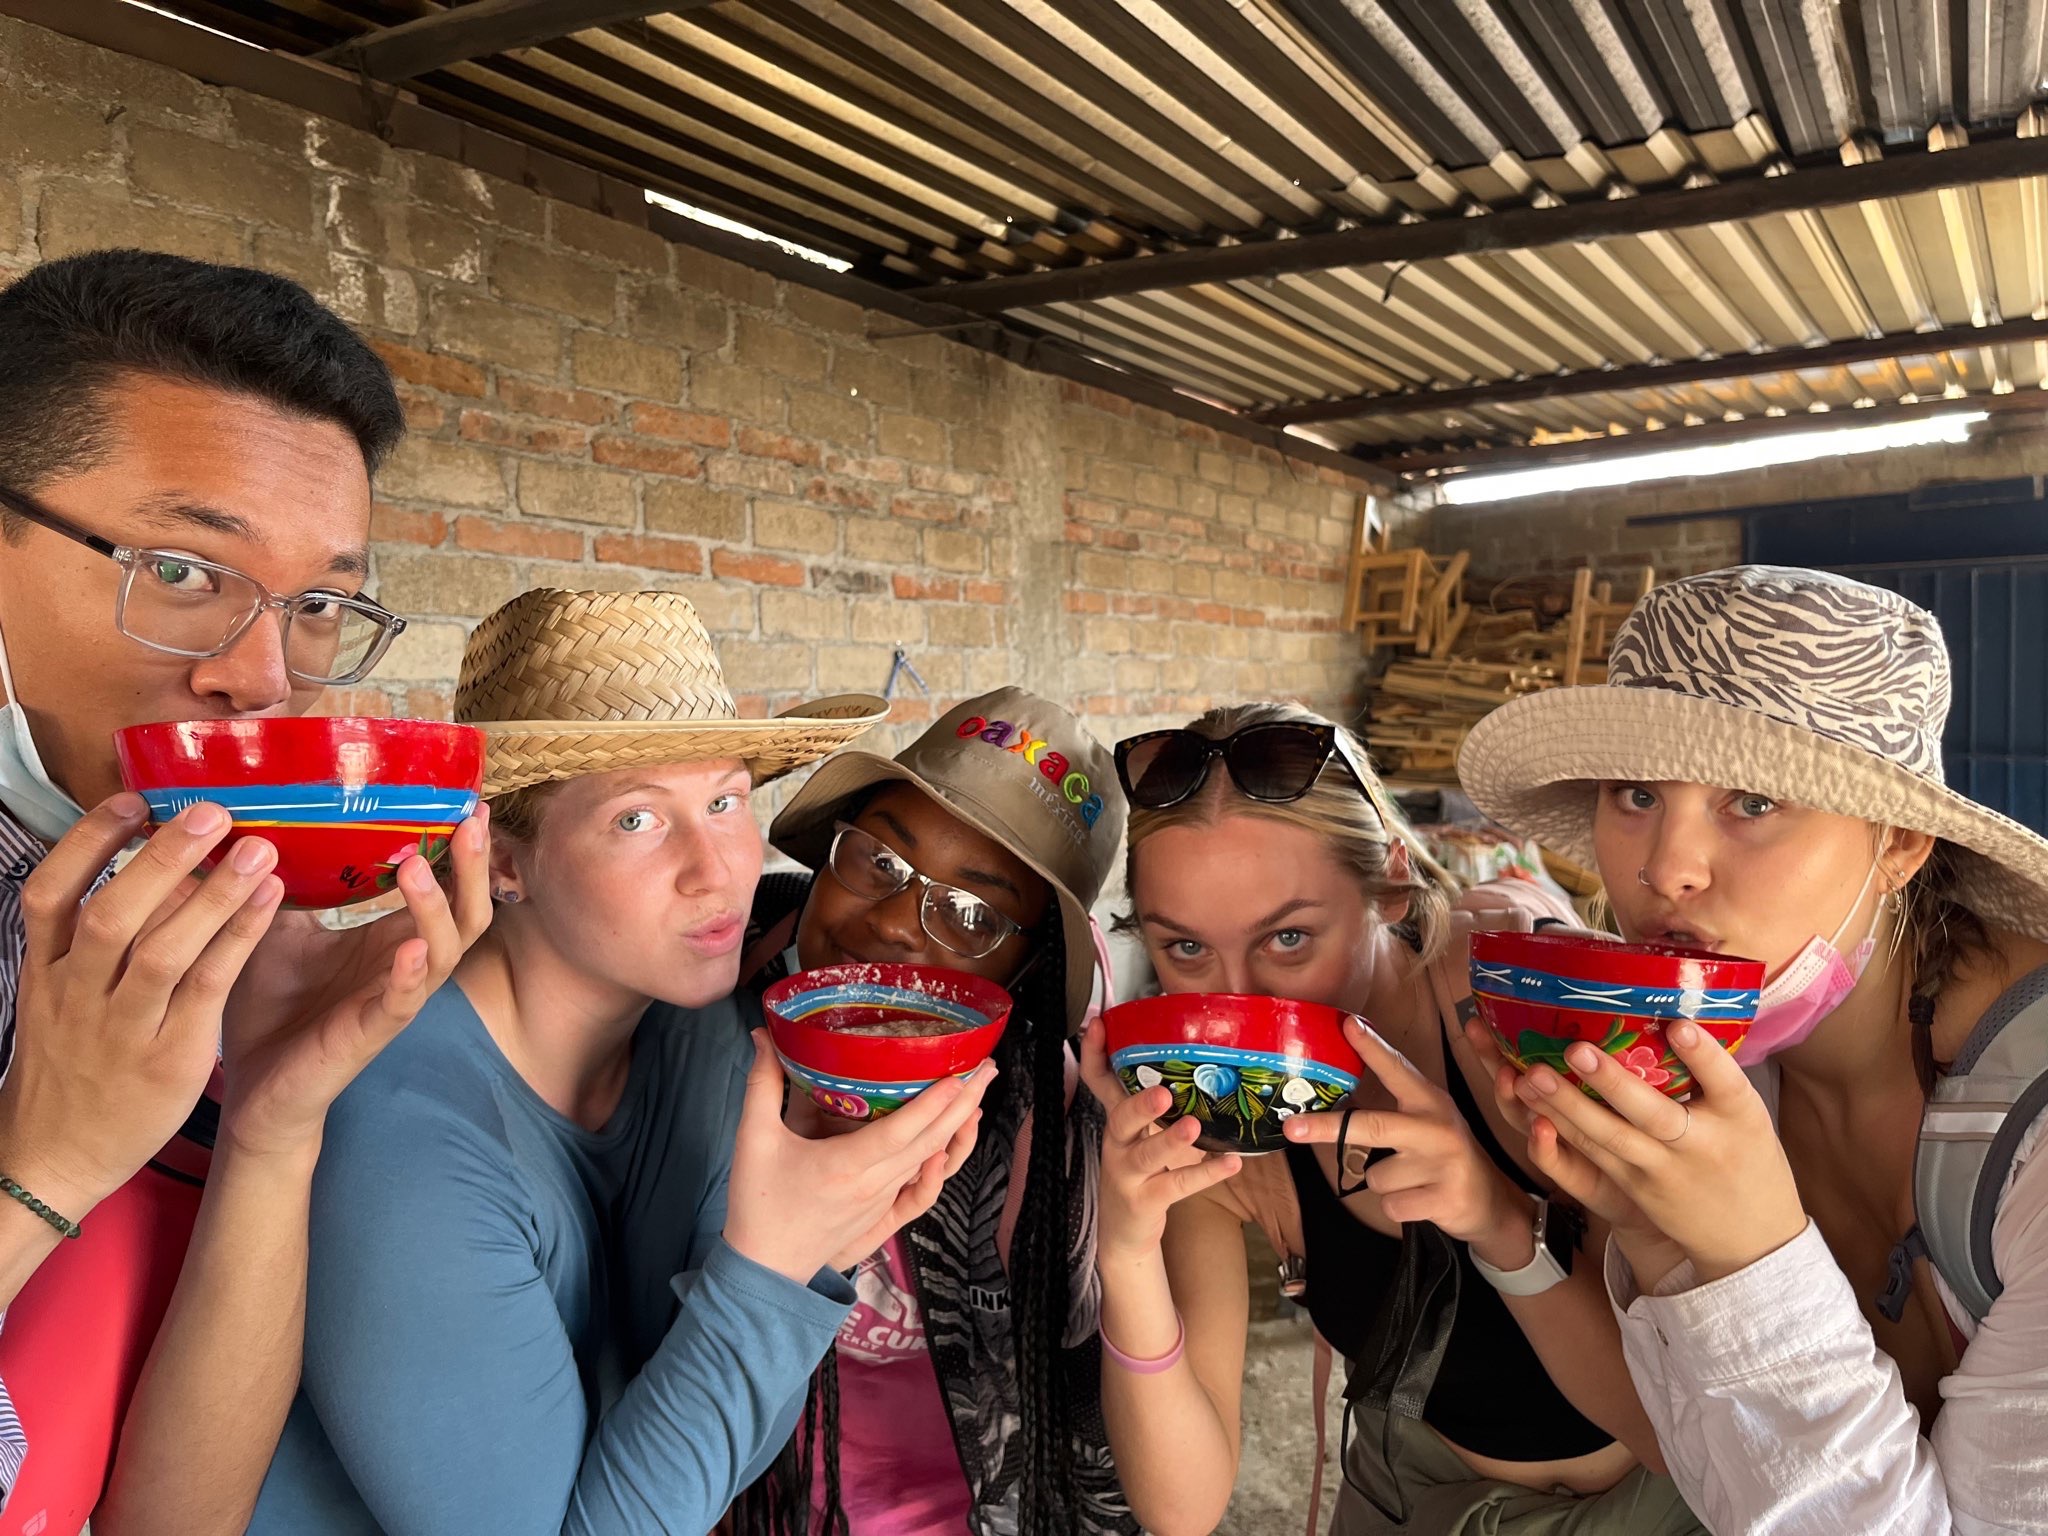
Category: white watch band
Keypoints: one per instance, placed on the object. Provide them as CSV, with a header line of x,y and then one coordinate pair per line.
x,y
1533,1278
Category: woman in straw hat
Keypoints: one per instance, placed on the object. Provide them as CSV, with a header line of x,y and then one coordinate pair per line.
x,y
1485,1383
969,1376
1761,774
570,1271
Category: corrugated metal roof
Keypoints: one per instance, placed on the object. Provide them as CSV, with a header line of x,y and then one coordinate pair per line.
x,y
948,141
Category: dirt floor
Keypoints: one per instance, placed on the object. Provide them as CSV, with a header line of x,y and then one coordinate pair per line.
x,y
1279,1433
1279,1425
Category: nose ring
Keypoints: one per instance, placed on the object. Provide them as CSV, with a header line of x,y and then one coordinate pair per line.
x,y
1643,875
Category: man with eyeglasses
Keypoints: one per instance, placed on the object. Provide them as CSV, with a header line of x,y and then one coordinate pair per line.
x,y
185,461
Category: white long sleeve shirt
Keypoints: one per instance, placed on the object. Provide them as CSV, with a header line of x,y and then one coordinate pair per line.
x,y
1779,1415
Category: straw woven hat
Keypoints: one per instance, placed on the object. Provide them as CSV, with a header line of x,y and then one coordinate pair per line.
x,y
570,683
1798,685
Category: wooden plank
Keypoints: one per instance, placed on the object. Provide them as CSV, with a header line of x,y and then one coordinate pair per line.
x,y
1514,229
482,28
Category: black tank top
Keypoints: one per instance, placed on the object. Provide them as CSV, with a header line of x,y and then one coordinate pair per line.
x,y
1492,1395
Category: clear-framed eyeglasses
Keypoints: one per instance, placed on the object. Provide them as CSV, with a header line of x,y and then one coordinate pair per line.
x,y
954,919
185,606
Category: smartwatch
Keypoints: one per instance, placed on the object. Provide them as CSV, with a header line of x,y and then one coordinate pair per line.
x,y
1542,1271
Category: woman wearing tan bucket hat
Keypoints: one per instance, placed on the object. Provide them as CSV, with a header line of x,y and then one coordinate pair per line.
x,y
968,1374
1761,774
571,1272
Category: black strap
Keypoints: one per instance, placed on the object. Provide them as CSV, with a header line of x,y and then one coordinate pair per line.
x,y
1403,1353
1898,1274
202,1126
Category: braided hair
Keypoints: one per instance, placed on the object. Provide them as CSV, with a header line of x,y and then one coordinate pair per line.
x,y
1033,1079
1944,936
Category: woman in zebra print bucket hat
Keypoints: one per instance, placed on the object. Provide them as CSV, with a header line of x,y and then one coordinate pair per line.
x,y
1761,774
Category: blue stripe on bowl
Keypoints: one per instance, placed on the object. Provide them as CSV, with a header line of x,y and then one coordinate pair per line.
x,y
868,994
852,1084
320,803
1527,986
1298,1066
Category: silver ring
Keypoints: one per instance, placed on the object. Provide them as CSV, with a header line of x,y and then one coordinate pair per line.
x,y
1672,1141
1643,875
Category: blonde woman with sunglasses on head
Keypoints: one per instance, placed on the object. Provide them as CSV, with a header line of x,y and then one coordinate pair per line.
x,y
1486,1386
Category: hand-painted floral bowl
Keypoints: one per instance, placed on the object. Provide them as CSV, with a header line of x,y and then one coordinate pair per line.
x,y
1541,992
865,1039
1243,1066
343,799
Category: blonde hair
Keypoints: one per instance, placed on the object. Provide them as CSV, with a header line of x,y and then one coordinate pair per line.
x,y
1359,830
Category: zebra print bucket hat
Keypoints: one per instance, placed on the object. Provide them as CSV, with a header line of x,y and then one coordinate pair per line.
x,y
1799,685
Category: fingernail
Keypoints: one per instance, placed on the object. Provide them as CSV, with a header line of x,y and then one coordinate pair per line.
x,y
252,854
268,892
205,819
129,807
1544,1080
1683,1034
1526,1092
483,812
1584,1058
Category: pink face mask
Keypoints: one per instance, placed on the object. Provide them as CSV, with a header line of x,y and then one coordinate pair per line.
x,y
1808,989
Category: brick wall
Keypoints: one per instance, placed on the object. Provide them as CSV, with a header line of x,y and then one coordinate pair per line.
x,y
593,406
1553,533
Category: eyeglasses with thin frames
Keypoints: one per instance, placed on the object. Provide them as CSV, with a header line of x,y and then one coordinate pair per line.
x,y
956,920
185,606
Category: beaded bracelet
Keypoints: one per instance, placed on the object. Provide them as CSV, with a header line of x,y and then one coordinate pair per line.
x,y
68,1227
1165,1362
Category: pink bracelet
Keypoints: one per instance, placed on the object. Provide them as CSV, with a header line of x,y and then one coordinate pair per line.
x,y
1165,1362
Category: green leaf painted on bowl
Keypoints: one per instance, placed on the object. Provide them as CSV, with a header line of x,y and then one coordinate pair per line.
x,y
432,846
1251,1112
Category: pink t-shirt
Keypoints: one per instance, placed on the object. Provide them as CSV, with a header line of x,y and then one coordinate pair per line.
x,y
899,1473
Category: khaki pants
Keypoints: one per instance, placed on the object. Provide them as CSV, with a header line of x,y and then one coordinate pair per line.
x,y
1399,1477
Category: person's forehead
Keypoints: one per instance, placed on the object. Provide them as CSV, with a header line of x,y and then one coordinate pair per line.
x,y
1265,860
191,458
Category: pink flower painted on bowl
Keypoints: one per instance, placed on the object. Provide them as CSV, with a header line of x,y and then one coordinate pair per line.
x,y
1643,1060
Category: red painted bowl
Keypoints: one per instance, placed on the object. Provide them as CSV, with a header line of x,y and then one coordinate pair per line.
x,y
1241,1065
825,1025
343,799
1541,992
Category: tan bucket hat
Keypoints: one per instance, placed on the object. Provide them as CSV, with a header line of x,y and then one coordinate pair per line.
x,y
1017,769
1799,685
570,683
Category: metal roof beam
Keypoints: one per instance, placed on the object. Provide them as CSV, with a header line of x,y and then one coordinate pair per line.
x,y
1736,365
1751,197
1530,456
482,28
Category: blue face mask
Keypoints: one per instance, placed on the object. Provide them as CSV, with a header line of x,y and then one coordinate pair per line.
x,y
26,788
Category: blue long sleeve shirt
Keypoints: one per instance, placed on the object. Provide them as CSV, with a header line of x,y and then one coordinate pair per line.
x,y
519,1327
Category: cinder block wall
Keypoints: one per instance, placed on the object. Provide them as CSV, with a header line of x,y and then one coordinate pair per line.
x,y
593,406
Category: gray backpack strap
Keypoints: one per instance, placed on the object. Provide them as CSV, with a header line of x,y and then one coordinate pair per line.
x,y
1970,1133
